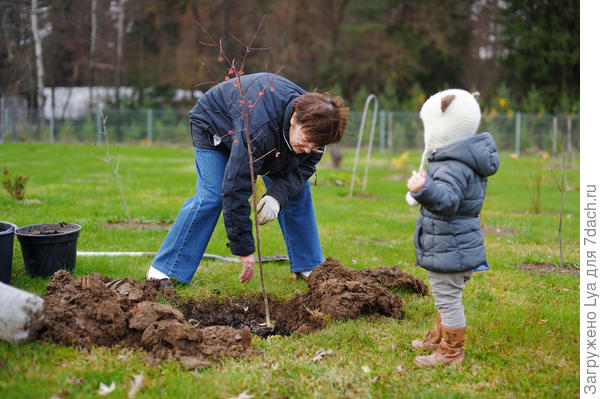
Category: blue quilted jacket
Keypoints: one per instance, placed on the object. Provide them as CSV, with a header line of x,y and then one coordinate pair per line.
x,y
448,235
217,123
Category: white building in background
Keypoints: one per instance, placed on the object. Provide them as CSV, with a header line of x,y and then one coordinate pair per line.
x,y
77,102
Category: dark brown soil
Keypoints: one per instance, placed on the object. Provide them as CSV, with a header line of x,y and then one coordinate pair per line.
x,y
544,268
50,229
334,292
95,310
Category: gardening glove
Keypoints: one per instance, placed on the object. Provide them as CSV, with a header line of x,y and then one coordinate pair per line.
x,y
267,209
247,268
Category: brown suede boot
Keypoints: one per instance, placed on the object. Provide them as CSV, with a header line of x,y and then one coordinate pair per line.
x,y
450,351
432,337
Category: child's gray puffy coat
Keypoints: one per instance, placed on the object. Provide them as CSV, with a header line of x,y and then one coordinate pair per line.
x,y
448,235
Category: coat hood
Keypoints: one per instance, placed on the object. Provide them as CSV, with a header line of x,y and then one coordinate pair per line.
x,y
478,152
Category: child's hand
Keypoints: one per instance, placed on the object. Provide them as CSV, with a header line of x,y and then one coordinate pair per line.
x,y
416,181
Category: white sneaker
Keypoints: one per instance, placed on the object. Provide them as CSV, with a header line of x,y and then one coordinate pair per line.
x,y
303,275
154,273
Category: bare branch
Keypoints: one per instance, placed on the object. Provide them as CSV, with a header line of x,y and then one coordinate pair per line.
x,y
115,168
262,156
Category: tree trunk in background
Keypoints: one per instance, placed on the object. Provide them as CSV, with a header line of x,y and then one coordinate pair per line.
x,y
92,67
120,31
223,29
39,66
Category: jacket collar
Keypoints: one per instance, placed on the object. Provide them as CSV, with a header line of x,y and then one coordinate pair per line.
x,y
287,116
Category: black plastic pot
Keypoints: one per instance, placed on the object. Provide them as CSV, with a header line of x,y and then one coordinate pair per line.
x,y
48,247
7,238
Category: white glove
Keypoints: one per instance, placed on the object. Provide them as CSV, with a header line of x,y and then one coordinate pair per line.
x,y
267,208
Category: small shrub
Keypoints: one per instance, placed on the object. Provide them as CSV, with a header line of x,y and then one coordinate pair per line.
x,y
15,188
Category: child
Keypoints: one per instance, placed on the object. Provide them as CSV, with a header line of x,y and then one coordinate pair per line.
x,y
448,238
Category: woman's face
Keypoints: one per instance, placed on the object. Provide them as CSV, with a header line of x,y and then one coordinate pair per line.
x,y
298,138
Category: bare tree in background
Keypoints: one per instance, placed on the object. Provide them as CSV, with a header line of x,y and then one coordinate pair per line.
x,y
93,33
39,65
119,66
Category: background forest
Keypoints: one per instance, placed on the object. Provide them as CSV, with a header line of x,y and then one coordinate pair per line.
x,y
523,52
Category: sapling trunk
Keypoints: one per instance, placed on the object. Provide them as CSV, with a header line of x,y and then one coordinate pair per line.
x,y
115,168
245,111
562,187
254,203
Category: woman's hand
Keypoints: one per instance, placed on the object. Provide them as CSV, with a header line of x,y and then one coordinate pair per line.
x,y
247,268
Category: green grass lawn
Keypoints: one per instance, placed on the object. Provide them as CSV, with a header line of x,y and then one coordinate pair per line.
x,y
523,328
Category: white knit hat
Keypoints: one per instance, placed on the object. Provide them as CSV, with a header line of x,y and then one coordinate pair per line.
x,y
448,116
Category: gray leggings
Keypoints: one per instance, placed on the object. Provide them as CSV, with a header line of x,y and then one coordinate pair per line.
x,y
447,291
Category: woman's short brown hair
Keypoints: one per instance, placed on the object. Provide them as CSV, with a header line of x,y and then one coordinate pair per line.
x,y
322,117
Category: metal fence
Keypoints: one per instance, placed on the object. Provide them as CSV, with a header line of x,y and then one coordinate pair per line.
x,y
393,130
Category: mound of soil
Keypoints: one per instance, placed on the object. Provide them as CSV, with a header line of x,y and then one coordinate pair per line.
x,y
93,310
334,292
339,292
96,310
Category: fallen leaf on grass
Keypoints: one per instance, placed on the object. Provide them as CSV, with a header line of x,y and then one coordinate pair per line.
x,y
321,353
105,390
137,382
75,381
243,395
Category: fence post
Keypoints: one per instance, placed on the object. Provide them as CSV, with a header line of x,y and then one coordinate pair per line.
x,y
389,130
52,118
381,130
518,134
2,121
98,125
149,127
554,132
569,143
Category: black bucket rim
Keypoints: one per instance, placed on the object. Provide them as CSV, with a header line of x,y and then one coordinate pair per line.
x,y
7,231
21,231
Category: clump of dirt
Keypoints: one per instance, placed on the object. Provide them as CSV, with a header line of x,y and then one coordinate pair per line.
x,y
334,292
338,292
96,310
93,310
394,278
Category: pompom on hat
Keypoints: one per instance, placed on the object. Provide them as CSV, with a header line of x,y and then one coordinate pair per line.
x,y
448,116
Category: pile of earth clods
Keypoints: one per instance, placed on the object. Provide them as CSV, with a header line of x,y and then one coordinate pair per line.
x,y
334,292
96,310
93,310
338,292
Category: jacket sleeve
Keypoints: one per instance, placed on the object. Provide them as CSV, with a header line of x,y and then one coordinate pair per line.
x,y
283,188
443,192
235,191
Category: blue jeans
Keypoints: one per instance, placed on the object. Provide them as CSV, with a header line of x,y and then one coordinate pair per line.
x,y
183,248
